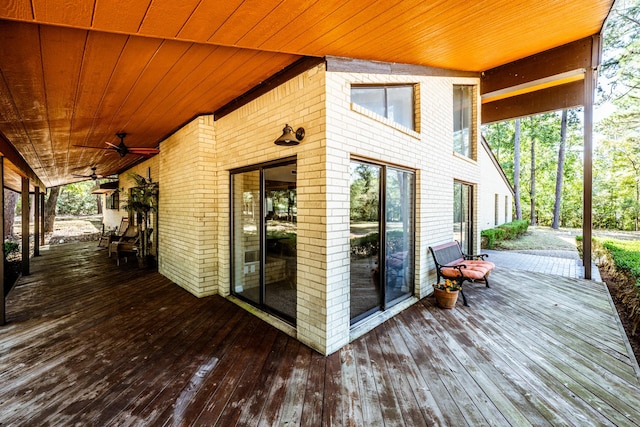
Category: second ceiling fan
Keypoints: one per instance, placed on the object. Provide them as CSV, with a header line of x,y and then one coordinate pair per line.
x,y
123,149
94,176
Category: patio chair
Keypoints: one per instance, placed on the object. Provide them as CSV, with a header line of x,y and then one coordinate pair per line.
x,y
125,244
109,236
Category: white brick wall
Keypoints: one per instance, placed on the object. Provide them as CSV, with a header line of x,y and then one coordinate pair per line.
x,y
491,183
194,166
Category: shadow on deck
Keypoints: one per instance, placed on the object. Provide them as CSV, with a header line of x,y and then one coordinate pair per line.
x,y
88,343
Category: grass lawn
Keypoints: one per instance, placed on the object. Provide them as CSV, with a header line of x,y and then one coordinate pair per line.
x,y
542,238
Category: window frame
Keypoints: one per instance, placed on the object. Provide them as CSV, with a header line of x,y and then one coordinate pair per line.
x,y
112,201
386,88
467,148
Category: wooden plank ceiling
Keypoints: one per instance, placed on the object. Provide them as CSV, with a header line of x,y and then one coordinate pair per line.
x,y
77,72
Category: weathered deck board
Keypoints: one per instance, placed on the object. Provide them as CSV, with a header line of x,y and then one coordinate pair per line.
x,y
88,343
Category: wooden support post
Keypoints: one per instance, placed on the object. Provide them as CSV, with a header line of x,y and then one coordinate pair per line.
x,y
3,318
25,226
42,200
587,202
36,221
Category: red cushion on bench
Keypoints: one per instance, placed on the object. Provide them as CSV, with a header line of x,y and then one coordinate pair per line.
x,y
475,273
486,264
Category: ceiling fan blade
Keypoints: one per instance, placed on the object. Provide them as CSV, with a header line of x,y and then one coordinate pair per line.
x,y
95,148
111,146
144,149
144,152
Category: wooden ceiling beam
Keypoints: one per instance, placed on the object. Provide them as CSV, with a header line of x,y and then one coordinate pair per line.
x,y
351,65
8,151
548,81
550,99
553,62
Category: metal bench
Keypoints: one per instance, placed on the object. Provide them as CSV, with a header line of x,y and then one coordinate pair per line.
x,y
453,264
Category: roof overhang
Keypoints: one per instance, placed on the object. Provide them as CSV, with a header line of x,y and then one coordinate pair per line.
x,y
76,73
548,81
106,188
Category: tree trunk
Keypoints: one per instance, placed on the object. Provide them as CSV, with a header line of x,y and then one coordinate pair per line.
x,y
560,171
10,201
50,209
516,170
635,208
533,181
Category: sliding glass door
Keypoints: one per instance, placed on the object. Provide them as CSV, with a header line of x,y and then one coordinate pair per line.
x,y
462,215
382,228
264,237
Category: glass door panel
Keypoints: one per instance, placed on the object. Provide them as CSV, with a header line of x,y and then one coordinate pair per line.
x,y
399,234
462,214
264,236
380,234
246,235
280,221
365,239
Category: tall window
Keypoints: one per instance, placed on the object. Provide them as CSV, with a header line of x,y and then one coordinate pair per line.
x,y
462,109
393,102
506,208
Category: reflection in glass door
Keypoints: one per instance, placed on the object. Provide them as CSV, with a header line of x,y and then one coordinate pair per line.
x,y
264,212
462,214
365,239
380,234
281,230
399,234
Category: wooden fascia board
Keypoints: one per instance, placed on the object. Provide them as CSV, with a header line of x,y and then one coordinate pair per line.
x,y
554,98
351,65
9,152
548,81
559,62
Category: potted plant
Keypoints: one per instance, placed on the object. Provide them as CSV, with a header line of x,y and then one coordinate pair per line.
x,y
447,293
142,201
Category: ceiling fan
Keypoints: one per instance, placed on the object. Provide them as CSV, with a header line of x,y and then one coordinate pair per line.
x,y
94,176
123,150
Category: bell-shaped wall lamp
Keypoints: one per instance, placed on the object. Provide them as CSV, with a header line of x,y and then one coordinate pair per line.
x,y
289,137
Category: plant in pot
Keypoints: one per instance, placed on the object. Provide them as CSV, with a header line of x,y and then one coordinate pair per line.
x,y
142,201
447,293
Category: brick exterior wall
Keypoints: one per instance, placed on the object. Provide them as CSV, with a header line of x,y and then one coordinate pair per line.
x,y
194,174
492,184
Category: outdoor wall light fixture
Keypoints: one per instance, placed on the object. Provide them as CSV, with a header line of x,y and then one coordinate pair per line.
x,y
289,137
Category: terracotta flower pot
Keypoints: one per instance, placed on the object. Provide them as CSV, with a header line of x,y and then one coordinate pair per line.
x,y
446,299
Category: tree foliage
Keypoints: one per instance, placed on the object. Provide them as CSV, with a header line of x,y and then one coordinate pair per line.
x,y
76,199
543,130
365,189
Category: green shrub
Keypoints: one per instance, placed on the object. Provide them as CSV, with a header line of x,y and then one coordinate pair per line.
x,y
10,247
492,234
626,255
508,231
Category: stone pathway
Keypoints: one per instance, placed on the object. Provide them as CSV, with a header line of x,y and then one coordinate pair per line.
x,y
562,263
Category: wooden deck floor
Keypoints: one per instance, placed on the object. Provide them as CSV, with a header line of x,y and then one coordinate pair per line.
x,y
91,344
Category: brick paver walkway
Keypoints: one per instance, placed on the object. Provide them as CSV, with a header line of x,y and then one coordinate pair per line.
x,y
562,263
